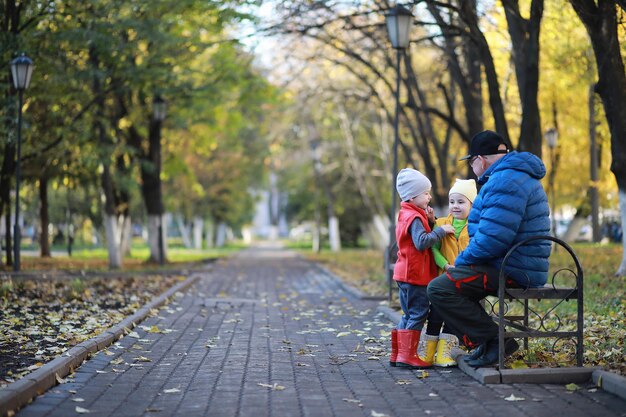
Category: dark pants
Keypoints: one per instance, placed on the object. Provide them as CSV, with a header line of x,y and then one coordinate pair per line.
x,y
415,307
456,297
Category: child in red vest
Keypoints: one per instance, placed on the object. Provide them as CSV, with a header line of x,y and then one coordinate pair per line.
x,y
435,347
415,266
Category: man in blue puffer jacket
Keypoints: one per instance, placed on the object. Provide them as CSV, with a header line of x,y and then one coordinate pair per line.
x,y
511,206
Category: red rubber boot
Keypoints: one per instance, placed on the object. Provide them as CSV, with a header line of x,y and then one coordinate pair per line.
x,y
407,350
394,347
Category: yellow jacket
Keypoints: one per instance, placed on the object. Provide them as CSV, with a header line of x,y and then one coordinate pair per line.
x,y
451,245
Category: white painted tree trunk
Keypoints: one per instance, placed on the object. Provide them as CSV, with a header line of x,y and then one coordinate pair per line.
x,y
184,232
113,245
125,228
209,235
273,233
377,232
220,236
198,226
333,234
621,271
573,230
153,237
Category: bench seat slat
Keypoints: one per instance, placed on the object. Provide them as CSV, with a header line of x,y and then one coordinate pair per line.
x,y
548,293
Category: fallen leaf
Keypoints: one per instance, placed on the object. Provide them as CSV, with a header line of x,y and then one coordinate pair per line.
x,y
377,414
403,382
78,400
514,398
519,364
432,394
342,334
59,379
353,401
171,390
572,387
274,387
81,410
142,359
134,334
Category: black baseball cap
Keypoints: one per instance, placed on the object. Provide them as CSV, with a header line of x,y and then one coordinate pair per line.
x,y
486,142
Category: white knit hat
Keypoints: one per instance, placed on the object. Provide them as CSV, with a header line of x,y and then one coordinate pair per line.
x,y
411,183
466,188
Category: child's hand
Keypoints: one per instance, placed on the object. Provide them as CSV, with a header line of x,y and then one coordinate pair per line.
x,y
448,228
430,213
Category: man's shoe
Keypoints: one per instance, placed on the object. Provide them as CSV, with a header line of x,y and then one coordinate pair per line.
x,y
491,355
475,354
510,347
488,358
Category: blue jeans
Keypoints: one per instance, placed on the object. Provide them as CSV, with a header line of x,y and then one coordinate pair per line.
x,y
415,306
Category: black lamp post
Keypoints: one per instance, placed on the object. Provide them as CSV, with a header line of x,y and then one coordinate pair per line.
x,y
21,70
398,20
552,136
159,110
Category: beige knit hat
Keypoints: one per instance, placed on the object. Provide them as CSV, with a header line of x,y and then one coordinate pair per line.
x,y
466,188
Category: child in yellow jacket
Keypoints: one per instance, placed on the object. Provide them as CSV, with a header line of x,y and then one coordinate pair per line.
x,y
434,347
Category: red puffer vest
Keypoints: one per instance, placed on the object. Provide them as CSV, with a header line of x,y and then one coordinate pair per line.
x,y
416,267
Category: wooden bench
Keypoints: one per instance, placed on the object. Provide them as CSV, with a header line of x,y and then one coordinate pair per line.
x,y
520,326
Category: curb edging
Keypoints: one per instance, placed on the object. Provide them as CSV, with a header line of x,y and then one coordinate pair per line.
x,y
21,392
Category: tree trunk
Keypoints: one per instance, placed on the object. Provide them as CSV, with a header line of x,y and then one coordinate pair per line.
x,y
44,219
109,215
7,235
220,236
601,23
333,233
125,230
210,234
184,231
113,246
198,226
621,271
525,39
151,182
468,11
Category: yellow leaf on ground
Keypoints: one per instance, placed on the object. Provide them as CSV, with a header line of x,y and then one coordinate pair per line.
x,y
572,387
519,364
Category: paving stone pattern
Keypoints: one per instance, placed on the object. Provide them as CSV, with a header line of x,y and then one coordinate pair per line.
x,y
266,333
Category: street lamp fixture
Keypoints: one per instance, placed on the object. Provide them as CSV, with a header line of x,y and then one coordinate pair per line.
x,y
21,71
159,108
398,21
551,136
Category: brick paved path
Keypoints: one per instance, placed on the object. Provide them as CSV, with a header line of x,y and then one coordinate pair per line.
x,y
267,334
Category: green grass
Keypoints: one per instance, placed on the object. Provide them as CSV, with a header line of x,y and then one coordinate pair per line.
x,y
96,259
